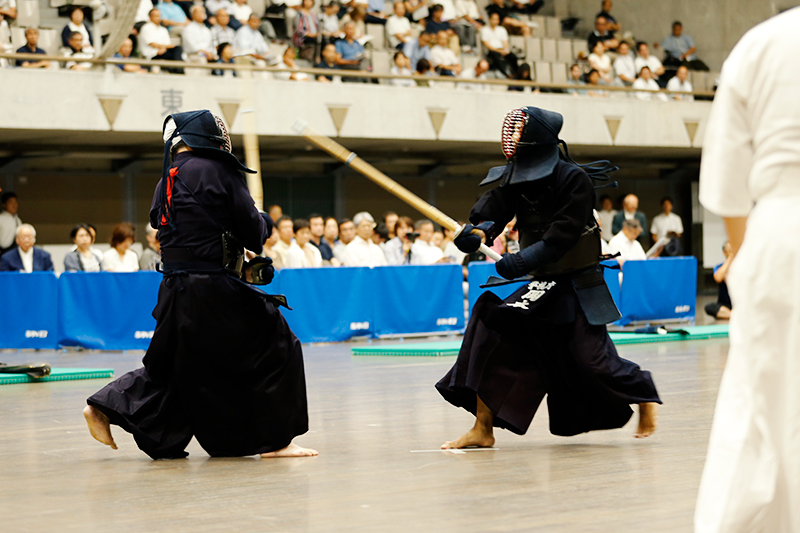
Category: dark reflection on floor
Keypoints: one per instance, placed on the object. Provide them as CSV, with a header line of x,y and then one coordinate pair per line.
x,y
367,414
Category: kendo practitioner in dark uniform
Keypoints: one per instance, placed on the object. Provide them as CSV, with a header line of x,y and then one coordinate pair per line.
x,y
549,337
223,365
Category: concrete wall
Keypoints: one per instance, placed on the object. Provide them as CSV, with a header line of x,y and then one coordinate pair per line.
x,y
69,102
715,25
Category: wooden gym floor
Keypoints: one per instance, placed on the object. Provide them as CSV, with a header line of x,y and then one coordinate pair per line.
x,y
367,415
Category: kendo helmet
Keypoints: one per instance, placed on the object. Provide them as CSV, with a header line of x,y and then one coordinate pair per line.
x,y
531,145
203,132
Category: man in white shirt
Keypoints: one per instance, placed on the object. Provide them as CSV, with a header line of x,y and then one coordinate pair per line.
x,y
495,39
9,221
680,82
666,222
196,36
362,251
625,65
644,59
646,81
477,73
398,27
241,11
444,60
155,43
423,252
625,242
221,32
301,253
347,232
249,40
285,235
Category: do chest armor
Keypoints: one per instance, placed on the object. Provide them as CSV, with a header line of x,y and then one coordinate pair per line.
x,y
535,208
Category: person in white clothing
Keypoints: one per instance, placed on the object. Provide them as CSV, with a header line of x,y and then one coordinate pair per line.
x,y
285,230
241,11
444,59
666,222
625,65
600,61
477,73
301,253
249,40
750,176
625,243
154,40
362,251
196,37
423,251
645,59
120,258
646,81
398,27
680,82
606,217
9,220
401,68
222,32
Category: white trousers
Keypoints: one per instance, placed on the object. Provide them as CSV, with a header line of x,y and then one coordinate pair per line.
x,y
751,480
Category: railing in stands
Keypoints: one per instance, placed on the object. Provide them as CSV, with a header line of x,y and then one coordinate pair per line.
x,y
346,73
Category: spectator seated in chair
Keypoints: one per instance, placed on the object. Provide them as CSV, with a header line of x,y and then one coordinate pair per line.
x,y
125,51
25,257
222,31
155,42
424,251
646,59
250,42
77,24
77,51
316,224
495,39
31,42
301,253
347,232
625,243
630,211
196,37
444,60
417,49
120,257
362,251
329,57
398,27
646,81
151,254
680,50
225,53
680,82
83,258
602,34
721,309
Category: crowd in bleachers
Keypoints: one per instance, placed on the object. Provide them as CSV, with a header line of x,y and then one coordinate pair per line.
x,y
505,39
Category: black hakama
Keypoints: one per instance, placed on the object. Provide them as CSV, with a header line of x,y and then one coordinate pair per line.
x,y
512,357
234,380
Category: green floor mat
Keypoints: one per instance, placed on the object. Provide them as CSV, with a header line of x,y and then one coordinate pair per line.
x,y
59,374
442,348
428,349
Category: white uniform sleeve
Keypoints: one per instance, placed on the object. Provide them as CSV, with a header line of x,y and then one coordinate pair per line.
x,y
728,144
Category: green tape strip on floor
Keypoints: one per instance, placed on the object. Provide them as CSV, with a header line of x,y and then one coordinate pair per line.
x,y
59,374
444,348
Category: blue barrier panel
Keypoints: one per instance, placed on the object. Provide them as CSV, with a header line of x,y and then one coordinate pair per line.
x,y
417,299
29,314
329,304
107,311
478,274
659,289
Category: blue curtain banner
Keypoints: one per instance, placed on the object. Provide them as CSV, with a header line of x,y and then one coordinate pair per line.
x,y
29,314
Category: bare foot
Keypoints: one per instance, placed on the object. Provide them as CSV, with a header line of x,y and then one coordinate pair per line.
x,y
648,419
474,437
292,450
99,426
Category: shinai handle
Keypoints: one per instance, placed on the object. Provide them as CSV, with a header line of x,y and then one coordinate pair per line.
x,y
359,165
